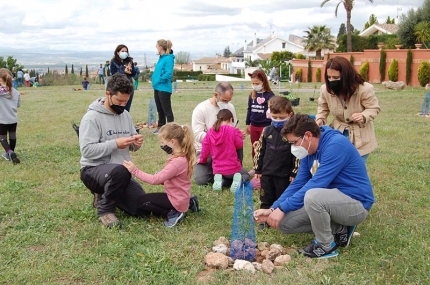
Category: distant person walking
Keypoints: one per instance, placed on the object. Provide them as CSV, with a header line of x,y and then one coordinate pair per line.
x,y
136,77
10,100
162,82
123,63
100,73
20,76
106,72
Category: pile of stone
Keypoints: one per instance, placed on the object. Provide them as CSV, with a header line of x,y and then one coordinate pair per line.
x,y
269,257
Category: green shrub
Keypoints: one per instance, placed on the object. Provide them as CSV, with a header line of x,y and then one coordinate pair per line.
x,y
408,67
364,71
424,73
56,79
318,74
382,65
393,70
299,74
309,71
300,56
351,60
206,77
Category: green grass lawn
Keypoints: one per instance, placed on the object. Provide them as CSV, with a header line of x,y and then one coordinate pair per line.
x,y
49,233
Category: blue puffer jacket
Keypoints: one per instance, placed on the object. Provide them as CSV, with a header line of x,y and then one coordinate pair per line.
x,y
163,73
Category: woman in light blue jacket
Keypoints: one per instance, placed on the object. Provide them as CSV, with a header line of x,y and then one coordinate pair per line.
x,y
162,82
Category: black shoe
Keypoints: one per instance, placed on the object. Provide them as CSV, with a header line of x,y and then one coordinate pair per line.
x,y
194,204
316,250
343,238
14,158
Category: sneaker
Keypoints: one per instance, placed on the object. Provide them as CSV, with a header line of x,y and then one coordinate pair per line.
x,y
194,204
14,158
5,155
174,217
96,199
316,250
156,131
237,179
217,186
343,238
109,220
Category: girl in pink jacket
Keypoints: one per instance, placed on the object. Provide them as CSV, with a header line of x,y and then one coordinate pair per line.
x,y
221,143
178,142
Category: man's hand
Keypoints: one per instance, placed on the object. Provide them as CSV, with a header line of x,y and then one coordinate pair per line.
x,y
124,142
138,140
129,165
274,218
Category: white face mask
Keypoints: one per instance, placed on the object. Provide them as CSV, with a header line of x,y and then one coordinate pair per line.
x,y
257,88
222,105
123,55
299,151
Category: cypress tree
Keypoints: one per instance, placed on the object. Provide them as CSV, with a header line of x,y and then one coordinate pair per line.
x,y
382,65
408,67
80,72
73,69
309,71
86,71
66,70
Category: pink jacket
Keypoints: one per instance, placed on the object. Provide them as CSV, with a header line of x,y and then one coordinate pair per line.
x,y
177,183
222,145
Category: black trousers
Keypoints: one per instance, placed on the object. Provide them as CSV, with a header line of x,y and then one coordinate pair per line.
x,y
156,203
164,107
272,188
4,130
128,105
116,187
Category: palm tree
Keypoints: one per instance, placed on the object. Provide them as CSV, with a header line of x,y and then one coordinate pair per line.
x,y
422,32
348,4
318,38
252,63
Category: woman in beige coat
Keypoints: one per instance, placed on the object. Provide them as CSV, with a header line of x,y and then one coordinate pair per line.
x,y
352,103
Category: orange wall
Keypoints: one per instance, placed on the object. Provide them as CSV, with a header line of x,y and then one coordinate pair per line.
x,y
373,57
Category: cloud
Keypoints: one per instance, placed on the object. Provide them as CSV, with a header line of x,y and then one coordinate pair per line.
x,y
196,26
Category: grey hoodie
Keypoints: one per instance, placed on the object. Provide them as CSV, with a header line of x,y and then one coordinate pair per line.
x,y
97,133
9,107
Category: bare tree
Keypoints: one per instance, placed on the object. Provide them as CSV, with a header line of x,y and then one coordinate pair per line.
x,y
182,57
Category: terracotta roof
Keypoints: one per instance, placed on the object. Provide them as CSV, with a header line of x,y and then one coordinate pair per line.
x,y
264,55
211,60
392,28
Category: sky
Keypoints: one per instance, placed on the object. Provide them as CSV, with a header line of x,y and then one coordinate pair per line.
x,y
201,27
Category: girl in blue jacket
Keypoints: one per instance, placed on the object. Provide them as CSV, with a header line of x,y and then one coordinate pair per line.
x,y
162,82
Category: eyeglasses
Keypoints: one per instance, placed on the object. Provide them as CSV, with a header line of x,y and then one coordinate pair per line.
x,y
294,142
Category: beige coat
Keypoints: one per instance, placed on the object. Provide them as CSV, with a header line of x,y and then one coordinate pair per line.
x,y
363,101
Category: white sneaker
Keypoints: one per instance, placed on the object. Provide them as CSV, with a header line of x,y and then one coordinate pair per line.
x,y
237,179
5,155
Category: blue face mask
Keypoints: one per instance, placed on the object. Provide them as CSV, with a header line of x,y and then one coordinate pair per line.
x,y
123,55
278,123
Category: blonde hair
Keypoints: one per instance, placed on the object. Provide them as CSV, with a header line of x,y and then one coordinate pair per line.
x,y
184,135
7,78
166,45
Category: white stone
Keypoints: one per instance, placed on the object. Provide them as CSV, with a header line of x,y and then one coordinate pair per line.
x,y
282,260
221,248
240,264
